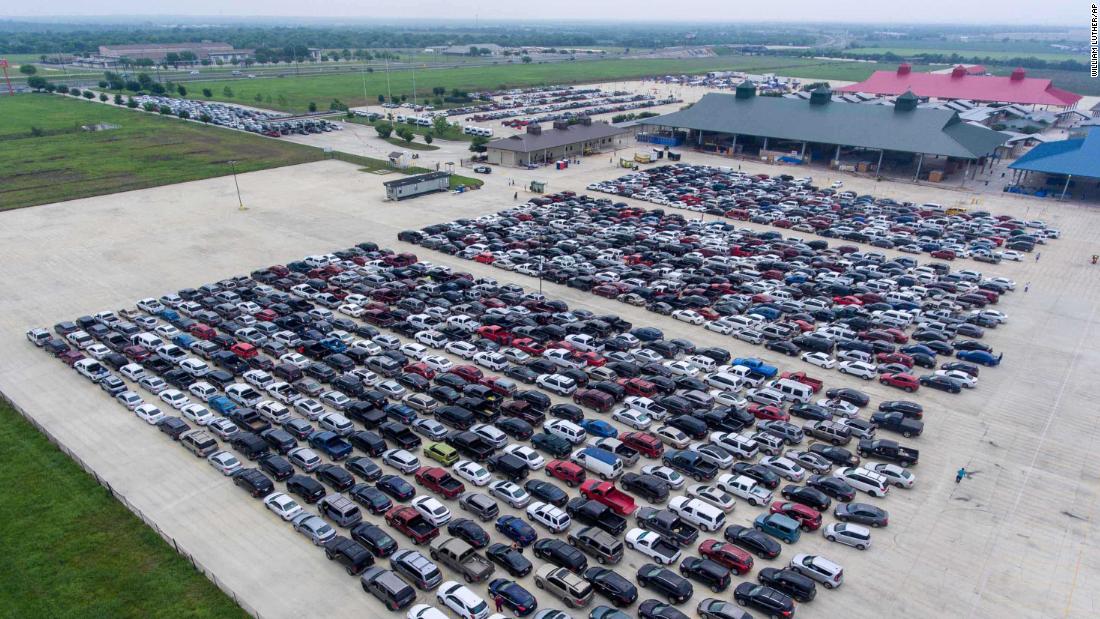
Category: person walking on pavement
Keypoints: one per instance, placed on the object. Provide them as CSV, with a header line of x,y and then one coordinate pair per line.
x,y
1026,286
498,599
515,196
1037,255
958,477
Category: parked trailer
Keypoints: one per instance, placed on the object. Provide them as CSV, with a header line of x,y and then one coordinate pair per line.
x,y
481,131
417,185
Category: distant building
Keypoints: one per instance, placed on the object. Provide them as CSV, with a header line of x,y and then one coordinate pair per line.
x,y
960,84
464,50
158,52
417,185
563,141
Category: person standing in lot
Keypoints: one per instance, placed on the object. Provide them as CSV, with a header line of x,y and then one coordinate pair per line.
x,y
1037,255
499,601
958,475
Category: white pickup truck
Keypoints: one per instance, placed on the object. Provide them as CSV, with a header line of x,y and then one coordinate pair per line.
x,y
745,487
645,405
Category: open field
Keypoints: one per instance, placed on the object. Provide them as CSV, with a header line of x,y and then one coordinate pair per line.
x,y
146,150
362,89
72,550
1016,539
966,53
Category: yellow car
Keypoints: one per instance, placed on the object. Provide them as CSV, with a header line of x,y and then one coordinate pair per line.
x,y
441,453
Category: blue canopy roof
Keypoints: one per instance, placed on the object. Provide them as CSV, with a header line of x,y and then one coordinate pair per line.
x,y
1076,157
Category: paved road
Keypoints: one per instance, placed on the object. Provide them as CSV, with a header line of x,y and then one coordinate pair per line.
x,y
1017,539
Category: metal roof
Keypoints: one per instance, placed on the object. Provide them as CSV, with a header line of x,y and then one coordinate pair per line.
x,y
553,138
416,178
1016,88
922,130
1079,157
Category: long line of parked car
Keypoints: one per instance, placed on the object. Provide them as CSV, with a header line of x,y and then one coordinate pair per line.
x,y
292,376
860,312
244,119
786,202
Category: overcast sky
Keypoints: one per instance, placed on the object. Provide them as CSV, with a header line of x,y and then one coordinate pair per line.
x,y
1064,12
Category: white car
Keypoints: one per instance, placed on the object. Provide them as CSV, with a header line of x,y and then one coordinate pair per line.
x,y
462,601
671,477
437,363
472,472
432,510
714,454
429,428
392,389
258,378
713,495
414,351
299,361
854,535
894,474
492,434
720,326
197,413
839,407
309,408
510,493
819,359
98,351
401,460
529,456
335,422
862,479
174,398
682,368
689,316
130,399
673,437
491,360
818,568
860,369
284,506
646,405
465,350
427,611
149,414
635,419
223,428
515,355
386,341
1010,254
728,398
203,390
153,384
133,371
556,383
654,546
553,518
960,377
336,400
225,462
305,459
787,469
197,368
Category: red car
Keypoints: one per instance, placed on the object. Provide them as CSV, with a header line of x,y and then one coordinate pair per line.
x,y
894,357
279,270
637,386
265,315
592,359
597,400
899,336
498,385
467,373
495,333
137,352
808,517
944,254
814,384
906,382
644,443
409,522
606,291
70,357
421,369
529,346
848,300
244,350
203,332
723,553
522,410
439,481
484,258
765,412
572,474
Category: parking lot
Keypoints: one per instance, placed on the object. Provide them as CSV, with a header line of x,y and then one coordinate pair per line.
x,y
1012,540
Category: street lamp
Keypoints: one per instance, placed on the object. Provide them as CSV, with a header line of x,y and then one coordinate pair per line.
x,y
240,202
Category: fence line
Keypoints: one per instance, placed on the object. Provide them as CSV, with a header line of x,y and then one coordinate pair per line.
x,y
196,564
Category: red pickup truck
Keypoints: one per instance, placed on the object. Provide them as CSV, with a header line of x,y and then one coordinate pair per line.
x,y
809,381
409,521
605,492
439,481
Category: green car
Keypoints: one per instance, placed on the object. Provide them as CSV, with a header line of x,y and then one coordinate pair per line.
x,y
778,526
441,453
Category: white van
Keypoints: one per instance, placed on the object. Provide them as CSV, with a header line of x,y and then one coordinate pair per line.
x,y
598,461
147,340
724,381
793,390
565,429
739,445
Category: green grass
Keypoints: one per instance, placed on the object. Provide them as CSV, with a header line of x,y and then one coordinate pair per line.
x,y
358,89
411,145
452,133
147,150
72,550
966,53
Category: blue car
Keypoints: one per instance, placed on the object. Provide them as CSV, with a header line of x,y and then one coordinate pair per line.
x,y
331,444
184,340
221,404
914,349
170,315
516,598
599,427
648,334
756,365
516,529
980,357
334,344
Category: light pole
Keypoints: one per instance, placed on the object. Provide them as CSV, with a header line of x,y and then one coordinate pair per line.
x,y
240,202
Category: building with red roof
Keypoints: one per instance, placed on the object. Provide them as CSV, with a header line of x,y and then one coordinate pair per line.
x,y
960,84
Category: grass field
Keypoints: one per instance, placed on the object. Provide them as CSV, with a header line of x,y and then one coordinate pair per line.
x,y
147,150
453,133
357,89
966,53
411,145
71,550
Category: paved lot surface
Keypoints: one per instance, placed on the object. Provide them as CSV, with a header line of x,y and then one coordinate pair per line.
x,y
1016,539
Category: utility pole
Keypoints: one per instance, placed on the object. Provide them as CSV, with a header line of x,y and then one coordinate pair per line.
x,y
240,202
389,93
414,83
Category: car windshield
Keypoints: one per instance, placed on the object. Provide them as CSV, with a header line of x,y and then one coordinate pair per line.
x,y
479,608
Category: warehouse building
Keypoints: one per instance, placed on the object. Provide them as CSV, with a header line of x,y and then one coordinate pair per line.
x,y
960,84
417,185
897,139
539,146
1060,168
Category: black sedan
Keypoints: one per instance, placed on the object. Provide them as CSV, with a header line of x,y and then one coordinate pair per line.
x,y
396,487
759,472
546,492
470,531
773,603
905,407
370,497
852,396
655,609
611,585
515,428
784,346
941,383
510,559
308,488
561,554
805,495
753,541
837,455
666,582
862,513
363,467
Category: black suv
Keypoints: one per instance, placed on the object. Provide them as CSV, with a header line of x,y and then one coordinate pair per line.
x,y
351,554
256,483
